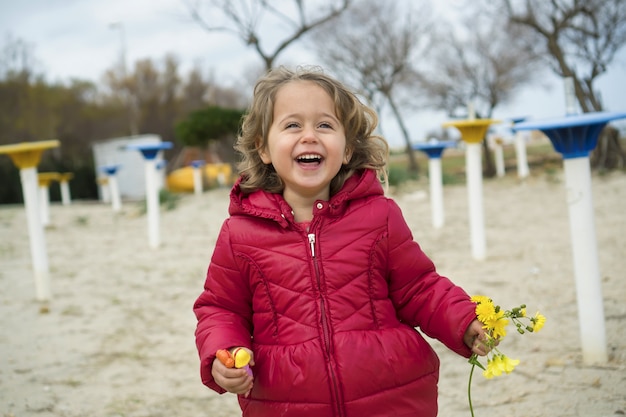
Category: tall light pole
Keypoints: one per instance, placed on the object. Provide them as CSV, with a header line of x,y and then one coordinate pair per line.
x,y
128,96
120,26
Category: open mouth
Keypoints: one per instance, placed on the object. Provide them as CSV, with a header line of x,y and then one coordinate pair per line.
x,y
309,159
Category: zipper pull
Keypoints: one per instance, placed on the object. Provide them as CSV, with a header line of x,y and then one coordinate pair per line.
x,y
312,243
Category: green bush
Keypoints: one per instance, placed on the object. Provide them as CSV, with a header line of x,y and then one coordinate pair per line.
x,y
399,175
208,124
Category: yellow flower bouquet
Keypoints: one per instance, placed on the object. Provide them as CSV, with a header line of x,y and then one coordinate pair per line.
x,y
495,320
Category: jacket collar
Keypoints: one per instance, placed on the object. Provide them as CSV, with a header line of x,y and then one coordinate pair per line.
x,y
273,206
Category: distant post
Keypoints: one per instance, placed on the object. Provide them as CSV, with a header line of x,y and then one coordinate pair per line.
x,y
434,149
64,180
114,190
520,150
150,152
472,132
197,175
44,180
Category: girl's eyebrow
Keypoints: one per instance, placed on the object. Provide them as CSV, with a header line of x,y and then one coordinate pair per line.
x,y
288,116
332,116
297,115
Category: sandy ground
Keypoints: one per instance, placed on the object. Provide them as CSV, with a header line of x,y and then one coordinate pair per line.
x,y
118,337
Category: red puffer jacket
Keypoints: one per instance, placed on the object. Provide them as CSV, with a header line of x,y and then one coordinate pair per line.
x,y
329,313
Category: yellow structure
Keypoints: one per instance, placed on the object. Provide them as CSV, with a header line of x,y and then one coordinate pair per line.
x,y
46,178
472,130
181,180
65,177
27,154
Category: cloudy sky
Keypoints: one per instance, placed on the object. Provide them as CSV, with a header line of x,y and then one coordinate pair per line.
x,y
76,39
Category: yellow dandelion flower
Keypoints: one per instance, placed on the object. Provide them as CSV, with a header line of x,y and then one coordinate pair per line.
x,y
496,325
494,367
488,373
509,364
481,299
485,312
538,321
499,329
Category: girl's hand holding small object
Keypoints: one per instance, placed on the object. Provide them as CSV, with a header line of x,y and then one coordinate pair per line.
x,y
232,370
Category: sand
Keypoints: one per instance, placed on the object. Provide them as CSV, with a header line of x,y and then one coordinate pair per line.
x,y
117,338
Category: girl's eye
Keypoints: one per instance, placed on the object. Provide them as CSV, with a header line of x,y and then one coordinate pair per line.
x,y
325,125
291,125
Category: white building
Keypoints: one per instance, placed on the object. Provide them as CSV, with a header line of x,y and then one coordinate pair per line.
x,y
130,175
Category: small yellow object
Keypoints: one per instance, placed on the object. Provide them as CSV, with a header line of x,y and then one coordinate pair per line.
x,y
242,357
182,180
220,173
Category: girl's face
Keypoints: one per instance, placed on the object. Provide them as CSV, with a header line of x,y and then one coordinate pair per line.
x,y
306,142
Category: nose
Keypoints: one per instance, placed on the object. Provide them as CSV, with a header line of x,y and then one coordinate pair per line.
x,y
308,135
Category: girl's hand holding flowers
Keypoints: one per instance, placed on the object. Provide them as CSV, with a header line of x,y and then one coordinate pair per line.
x,y
484,334
476,338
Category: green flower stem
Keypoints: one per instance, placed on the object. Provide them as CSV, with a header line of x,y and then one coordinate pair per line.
x,y
469,389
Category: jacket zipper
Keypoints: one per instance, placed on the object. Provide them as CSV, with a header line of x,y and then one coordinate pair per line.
x,y
325,327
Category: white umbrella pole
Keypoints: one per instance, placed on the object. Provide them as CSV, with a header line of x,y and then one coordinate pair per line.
x,y
475,197
520,155
44,205
28,176
105,190
499,155
197,181
114,192
586,265
152,202
436,191
65,193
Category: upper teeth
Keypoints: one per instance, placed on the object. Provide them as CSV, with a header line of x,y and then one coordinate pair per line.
x,y
309,156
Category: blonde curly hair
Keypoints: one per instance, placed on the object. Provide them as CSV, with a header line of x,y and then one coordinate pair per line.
x,y
367,149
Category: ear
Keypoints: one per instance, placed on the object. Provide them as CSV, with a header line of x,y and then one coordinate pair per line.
x,y
265,157
347,156
263,153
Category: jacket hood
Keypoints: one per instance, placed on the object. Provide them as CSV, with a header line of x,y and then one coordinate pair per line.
x,y
260,203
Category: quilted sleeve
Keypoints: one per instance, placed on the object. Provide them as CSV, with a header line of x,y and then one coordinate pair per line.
x,y
223,309
422,297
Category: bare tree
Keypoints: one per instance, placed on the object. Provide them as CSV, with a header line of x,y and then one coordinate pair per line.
x,y
376,46
155,94
17,58
200,89
482,62
243,18
195,90
580,39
